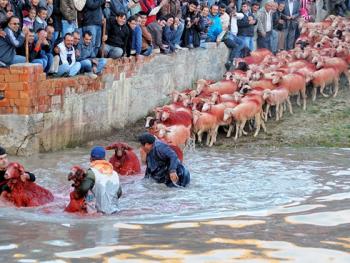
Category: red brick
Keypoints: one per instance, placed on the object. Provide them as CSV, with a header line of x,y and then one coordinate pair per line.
x,y
16,86
12,102
5,102
12,78
42,100
43,108
12,94
42,77
23,102
59,91
2,78
4,71
24,95
24,110
4,86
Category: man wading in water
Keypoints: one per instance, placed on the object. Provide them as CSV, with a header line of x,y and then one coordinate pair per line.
x,y
163,165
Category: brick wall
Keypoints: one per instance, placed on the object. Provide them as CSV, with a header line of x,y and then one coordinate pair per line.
x,y
26,89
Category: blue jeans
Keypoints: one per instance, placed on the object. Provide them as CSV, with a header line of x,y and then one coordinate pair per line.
x,y
113,52
248,42
96,32
239,5
234,44
18,59
68,27
86,65
70,70
274,41
147,51
41,61
178,34
49,58
264,42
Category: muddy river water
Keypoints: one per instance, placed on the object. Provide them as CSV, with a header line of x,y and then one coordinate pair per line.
x,y
252,205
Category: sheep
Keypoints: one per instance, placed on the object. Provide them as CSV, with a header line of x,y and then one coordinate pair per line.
x,y
277,97
204,122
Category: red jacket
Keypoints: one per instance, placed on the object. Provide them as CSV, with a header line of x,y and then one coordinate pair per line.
x,y
147,6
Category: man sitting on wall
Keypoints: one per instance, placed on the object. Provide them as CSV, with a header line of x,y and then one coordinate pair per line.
x,y
68,65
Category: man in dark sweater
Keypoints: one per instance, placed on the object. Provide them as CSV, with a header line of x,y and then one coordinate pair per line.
x,y
4,189
163,165
118,36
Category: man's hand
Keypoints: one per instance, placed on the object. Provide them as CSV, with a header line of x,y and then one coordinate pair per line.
x,y
25,177
105,37
2,33
77,53
173,177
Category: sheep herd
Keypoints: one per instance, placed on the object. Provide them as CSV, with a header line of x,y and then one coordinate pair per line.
x,y
260,83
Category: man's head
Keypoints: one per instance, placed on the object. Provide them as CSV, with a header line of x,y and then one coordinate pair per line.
x,y
205,11
42,13
162,21
87,37
50,30
169,20
32,13
147,140
68,40
192,6
3,3
13,23
245,7
76,38
222,9
255,7
97,153
31,36
121,18
281,6
268,5
143,16
214,10
3,159
132,23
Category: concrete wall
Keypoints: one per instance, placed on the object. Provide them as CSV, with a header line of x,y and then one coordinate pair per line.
x,y
69,111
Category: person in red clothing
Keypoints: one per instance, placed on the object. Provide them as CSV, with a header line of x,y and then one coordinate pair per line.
x,y
151,9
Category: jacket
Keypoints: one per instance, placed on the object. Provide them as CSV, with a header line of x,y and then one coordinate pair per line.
x,y
173,7
215,28
244,28
8,45
118,36
118,6
146,38
92,13
68,10
262,20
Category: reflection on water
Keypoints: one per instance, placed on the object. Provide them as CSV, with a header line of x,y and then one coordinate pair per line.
x,y
252,205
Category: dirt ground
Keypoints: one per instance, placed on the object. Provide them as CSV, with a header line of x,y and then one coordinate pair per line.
x,y
325,123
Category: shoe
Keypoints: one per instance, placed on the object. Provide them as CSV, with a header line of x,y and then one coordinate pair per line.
x,y
177,46
91,75
190,46
228,65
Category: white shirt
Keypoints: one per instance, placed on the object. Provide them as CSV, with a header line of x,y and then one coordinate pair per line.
x,y
64,53
233,27
291,6
268,21
225,20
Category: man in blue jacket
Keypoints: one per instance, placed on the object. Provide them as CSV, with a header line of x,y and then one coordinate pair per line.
x,y
215,27
163,165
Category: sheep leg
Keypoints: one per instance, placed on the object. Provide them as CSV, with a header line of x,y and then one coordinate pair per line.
x,y
323,86
298,99
237,130
213,136
228,135
266,111
258,123
336,88
209,137
314,93
263,125
303,95
289,105
241,128
277,112
199,135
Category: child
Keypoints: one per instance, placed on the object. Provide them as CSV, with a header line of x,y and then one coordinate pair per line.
x,y
29,20
40,20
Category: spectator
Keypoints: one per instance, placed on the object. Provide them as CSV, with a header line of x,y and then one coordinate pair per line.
x,y
233,43
92,21
255,9
291,12
13,39
173,8
107,10
91,65
118,36
57,20
136,32
69,16
3,12
246,26
204,23
156,30
146,36
29,20
234,17
264,17
68,65
40,20
279,23
191,33
76,41
17,6
224,17
169,33
151,9
215,27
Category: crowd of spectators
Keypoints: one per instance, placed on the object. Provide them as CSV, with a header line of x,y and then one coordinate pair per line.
x,y
69,37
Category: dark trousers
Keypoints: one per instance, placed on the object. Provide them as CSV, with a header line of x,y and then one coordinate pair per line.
x,y
264,42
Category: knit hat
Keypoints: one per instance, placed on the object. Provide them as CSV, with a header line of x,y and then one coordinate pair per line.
x,y
98,153
2,151
146,138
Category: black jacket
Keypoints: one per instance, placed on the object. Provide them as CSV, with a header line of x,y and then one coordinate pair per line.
x,y
118,36
92,13
244,28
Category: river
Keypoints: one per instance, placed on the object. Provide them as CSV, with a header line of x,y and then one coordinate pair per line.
x,y
246,205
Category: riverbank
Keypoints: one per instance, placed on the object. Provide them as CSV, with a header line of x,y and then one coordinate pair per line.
x,y
325,123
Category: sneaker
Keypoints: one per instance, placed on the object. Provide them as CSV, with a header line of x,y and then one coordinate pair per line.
x,y
177,46
228,65
91,75
190,46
